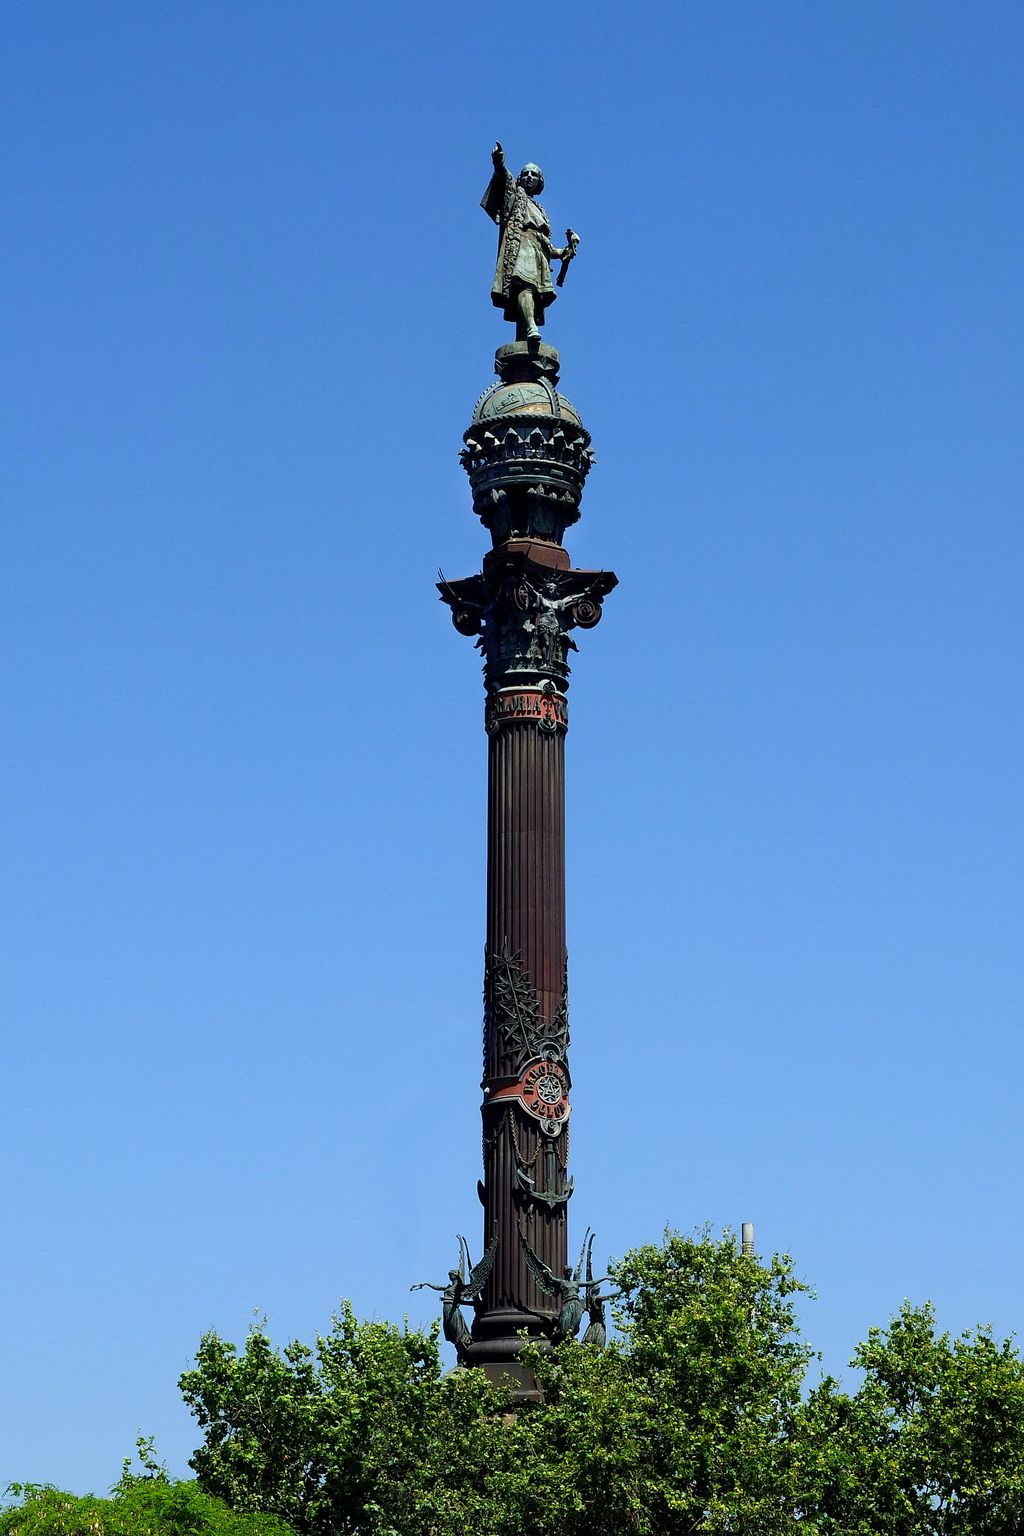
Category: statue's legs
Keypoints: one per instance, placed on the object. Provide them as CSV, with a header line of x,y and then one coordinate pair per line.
x,y
526,326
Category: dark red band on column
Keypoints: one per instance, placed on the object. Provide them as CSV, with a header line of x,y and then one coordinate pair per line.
x,y
548,710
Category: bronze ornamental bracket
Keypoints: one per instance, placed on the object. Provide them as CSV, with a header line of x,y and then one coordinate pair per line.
x,y
522,610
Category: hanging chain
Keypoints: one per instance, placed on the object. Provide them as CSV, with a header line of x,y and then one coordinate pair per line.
x,y
520,1159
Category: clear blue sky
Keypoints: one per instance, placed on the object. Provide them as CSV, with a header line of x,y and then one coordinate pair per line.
x,y
246,318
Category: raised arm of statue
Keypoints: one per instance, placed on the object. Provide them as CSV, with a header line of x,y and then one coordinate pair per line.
x,y
499,199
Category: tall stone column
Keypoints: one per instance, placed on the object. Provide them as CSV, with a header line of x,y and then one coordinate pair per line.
x,y
527,455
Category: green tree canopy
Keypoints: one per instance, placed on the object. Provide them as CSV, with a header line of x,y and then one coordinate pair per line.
x,y
931,1443
699,1417
147,1505
685,1422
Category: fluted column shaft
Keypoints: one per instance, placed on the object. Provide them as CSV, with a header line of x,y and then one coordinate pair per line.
x,y
526,917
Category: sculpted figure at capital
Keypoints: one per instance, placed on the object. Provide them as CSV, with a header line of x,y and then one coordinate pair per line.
x,y
522,285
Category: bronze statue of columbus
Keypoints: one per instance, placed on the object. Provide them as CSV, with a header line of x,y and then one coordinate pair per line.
x,y
522,285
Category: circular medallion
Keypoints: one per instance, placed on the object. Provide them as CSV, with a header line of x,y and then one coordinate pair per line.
x,y
549,1089
542,1091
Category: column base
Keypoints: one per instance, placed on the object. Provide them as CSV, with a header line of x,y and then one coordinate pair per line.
x,y
496,1348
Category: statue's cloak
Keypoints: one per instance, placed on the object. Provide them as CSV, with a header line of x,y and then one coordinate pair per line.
x,y
524,245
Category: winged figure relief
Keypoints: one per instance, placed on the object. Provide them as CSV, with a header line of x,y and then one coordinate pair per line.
x,y
464,1287
596,1332
565,1289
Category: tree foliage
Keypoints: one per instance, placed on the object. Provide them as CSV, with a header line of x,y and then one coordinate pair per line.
x,y
685,1423
146,1504
932,1442
699,1418
363,1433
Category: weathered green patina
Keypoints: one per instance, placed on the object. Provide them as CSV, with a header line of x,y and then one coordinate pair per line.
x,y
522,286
